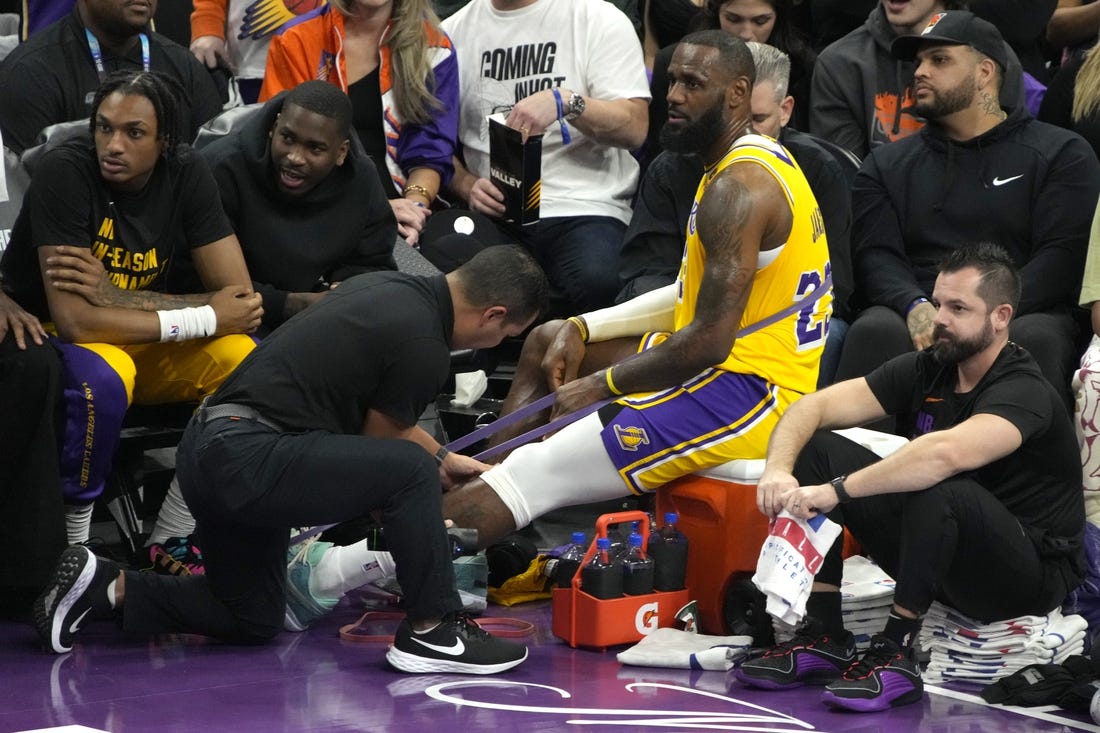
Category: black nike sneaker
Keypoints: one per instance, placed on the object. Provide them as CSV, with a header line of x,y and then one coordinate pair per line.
x,y
457,645
77,592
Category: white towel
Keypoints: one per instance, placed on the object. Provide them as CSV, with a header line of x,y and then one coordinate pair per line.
x,y
686,650
790,557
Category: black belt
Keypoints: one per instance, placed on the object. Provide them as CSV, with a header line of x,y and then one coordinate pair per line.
x,y
234,411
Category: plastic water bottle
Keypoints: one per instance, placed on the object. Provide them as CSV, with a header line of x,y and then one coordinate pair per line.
x,y
602,577
570,561
619,548
637,569
669,548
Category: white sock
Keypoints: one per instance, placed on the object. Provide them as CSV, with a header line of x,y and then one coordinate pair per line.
x,y
78,522
342,569
174,518
111,593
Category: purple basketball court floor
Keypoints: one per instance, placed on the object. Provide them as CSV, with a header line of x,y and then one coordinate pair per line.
x,y
315,681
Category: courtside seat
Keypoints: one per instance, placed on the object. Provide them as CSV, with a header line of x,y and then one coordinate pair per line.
x,y
725,530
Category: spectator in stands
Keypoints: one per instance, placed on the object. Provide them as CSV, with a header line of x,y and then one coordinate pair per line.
x,y
30,486
664,23
981,510
1072,100
231,34
303,198
1022,24
861,96
103,228
831,20
1073,25
400,71
977,171
654,242
762,21
52,77
571,70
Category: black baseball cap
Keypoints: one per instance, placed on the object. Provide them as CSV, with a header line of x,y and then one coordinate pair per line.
x,y
956,27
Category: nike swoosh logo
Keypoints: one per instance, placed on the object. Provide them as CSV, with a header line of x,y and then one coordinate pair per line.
x,y
454,650
1002,181
75,626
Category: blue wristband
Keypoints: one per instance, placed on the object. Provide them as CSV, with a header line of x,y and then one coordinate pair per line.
x,y
561,117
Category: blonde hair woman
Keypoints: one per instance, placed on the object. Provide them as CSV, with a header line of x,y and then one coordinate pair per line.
x,y
399,69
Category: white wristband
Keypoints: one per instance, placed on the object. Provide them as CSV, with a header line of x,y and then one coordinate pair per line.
x,y
187,323
650,311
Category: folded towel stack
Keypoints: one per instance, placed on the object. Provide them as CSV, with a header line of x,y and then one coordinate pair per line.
x,y
961,648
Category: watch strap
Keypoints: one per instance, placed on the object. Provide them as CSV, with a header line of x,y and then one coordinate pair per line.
x,y
842,495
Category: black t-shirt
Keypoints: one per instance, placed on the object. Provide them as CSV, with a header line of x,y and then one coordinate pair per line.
x,y
366,105
51,78
1040,482
142,238
379,341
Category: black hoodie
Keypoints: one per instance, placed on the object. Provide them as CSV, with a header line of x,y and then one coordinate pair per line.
x,y
343,227
860,95
1025,185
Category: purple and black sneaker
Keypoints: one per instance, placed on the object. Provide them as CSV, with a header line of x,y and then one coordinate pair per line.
x,y
812,657
887,676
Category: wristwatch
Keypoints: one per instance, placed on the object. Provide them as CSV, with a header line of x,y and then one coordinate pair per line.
x,y
842,496
576,106
441,454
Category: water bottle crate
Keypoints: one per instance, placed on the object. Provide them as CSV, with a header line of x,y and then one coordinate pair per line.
x,y
582,620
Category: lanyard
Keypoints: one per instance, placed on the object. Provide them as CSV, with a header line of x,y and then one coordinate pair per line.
x,y
97,54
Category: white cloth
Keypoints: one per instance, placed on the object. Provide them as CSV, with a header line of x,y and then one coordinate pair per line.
x,y
686,650
469,387
585,46
790,557
865,584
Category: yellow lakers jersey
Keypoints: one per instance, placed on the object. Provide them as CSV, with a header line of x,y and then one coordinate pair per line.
x,y
786,353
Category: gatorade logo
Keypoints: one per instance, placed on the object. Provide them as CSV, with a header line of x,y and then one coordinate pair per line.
x,y
645,620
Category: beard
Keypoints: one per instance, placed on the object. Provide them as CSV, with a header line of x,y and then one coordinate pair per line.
x,y
953,350
947,102
695,136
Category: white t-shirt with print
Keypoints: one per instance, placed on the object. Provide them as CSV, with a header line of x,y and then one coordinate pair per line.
x,y
585,46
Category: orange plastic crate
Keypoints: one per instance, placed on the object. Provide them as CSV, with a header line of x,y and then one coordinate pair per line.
x,y
582,620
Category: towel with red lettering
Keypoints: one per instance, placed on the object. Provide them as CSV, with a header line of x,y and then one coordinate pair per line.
x,y
790,557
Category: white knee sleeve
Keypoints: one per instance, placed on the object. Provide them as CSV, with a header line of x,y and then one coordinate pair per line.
x,y
570,467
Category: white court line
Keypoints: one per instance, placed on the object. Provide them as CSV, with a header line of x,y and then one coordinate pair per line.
x,y
1039,713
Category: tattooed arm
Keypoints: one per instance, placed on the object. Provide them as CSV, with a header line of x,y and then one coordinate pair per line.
x,y
76,270
742,213
85,306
